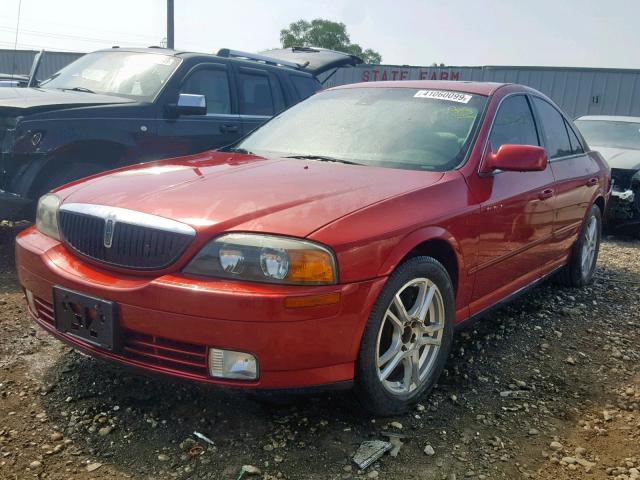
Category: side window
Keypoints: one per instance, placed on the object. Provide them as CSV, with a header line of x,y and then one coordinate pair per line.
x,y
305,86
255,94
513,124
214,85
576,146
556,138
278,95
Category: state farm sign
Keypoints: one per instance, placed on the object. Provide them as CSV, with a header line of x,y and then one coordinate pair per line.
x,y
382,74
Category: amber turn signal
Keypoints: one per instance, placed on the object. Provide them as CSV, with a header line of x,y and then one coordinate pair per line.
x,y
310,266
312,300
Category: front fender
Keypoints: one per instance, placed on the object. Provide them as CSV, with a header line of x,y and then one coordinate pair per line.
x,y
50,137
413,240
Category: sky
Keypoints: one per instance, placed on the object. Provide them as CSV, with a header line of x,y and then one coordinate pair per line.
x,y
574,33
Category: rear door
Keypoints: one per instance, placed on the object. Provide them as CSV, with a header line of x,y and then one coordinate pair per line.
x,y
576,174
304,86
516,218
260,96
196,133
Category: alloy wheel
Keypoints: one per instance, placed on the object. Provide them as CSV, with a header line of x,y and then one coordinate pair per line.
x,y
590,245
410,336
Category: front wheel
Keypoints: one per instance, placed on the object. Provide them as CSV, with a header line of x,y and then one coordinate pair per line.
x,y
68,173
407,338
584,255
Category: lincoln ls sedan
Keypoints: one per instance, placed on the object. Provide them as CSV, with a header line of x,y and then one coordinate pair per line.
x,y
339,245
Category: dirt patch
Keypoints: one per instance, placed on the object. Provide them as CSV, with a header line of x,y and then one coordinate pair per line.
x,y
548,387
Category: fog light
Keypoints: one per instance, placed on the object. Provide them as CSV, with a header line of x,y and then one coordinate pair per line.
x,y
230,364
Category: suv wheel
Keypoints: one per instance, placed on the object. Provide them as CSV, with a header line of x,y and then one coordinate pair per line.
x,y
70,173
407,339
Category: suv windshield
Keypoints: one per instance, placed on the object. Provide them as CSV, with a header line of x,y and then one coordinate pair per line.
x,y
608,133
129,74
390,127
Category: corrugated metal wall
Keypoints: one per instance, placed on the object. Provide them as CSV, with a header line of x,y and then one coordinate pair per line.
x,y
19,62
578,91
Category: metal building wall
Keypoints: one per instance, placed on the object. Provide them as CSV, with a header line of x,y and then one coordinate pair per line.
x,y
19,61
578,91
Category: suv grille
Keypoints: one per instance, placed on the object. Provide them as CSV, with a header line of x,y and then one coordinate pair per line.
x,y
132,246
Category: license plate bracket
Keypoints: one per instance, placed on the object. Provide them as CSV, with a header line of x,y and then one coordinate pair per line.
x,y
87,318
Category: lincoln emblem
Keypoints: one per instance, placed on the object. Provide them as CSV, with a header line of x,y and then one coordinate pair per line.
x,y
108,232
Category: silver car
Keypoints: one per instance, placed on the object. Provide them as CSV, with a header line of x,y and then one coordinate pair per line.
x,y
618,140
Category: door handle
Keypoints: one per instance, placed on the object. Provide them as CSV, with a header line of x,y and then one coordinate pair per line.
x,y
592,181
228,128
545,194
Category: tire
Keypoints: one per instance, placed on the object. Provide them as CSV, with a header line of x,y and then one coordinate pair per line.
x,y
382,388
69,173
55,179
581,267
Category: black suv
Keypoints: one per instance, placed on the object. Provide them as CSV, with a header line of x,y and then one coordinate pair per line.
x,y
121,106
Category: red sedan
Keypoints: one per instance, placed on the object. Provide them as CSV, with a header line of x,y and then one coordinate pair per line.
x,y
339,244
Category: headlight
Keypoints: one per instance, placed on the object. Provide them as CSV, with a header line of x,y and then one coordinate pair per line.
x,y
47,215
265,258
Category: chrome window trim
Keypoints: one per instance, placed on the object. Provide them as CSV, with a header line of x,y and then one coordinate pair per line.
x,y
131,217
567,157
259,117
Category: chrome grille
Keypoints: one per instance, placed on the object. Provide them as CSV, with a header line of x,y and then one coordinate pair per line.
x,y
140,247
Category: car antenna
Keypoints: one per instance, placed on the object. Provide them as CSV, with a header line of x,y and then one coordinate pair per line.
x,y
15,43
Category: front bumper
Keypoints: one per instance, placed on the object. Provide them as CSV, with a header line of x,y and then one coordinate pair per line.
x,y
169,322
13,206
624,211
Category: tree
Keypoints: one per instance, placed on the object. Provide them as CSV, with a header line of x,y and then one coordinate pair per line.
x,y
325,34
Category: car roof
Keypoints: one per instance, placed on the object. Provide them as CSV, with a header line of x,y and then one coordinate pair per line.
x,y
158,50
610,118
479,88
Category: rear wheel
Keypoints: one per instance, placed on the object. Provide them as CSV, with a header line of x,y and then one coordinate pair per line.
x,y
407,339
584,255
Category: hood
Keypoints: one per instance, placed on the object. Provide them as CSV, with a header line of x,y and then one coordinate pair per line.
x,y
21,99
313,59
625,158
218,191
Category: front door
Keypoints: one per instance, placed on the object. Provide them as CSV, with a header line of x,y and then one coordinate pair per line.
x,y
189,134
515,223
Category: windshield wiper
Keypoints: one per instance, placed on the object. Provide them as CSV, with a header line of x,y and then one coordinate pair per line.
x,y
78,89
323,158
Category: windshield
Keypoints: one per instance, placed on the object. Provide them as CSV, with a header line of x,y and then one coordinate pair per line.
x,y
129,74
390,127
607,133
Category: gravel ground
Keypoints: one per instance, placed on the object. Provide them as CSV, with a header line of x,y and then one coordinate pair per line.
x,y
547,388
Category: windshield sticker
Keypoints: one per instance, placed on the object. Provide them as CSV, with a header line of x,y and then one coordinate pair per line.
x,y
444,95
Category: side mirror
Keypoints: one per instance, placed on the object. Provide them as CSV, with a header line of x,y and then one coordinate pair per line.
x,y
515,158
189,104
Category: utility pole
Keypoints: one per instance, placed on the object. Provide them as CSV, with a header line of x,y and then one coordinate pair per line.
x,y
170,24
